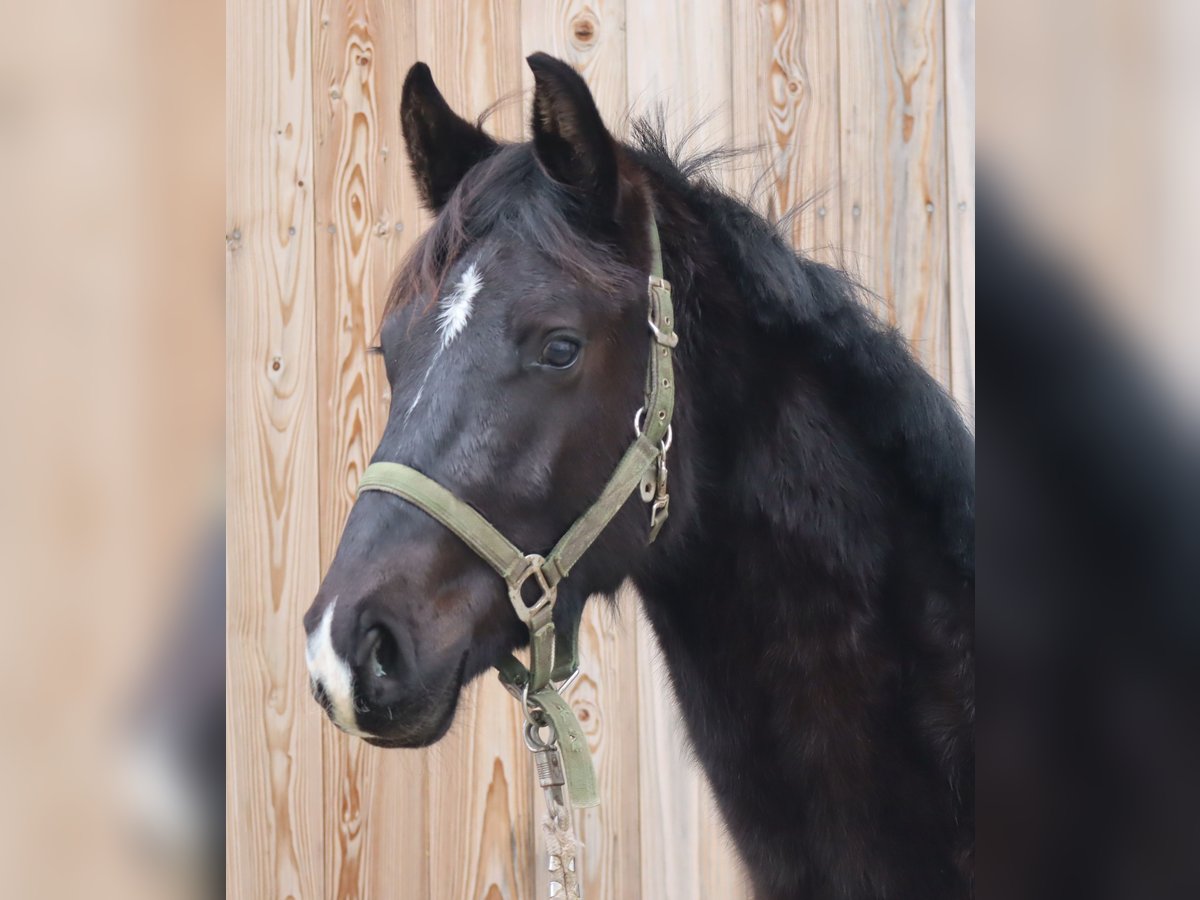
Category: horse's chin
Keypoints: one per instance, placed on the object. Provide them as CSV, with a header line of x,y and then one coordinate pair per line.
x,y
416,738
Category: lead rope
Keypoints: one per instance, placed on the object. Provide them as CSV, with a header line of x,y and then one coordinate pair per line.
x,y
560,850
557,827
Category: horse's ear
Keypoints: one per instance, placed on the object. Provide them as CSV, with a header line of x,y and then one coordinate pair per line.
x,y
442,145
569,135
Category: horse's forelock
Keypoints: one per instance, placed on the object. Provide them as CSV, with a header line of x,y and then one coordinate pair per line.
x,y
508,194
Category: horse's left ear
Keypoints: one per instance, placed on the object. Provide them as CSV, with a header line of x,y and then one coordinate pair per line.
x,y
569,135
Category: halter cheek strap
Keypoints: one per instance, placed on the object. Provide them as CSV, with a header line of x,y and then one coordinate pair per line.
x,y
554,657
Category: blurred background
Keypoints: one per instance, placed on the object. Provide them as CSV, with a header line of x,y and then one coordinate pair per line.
x,y
115,246
112,493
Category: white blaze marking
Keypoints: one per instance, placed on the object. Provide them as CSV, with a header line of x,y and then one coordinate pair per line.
x,y
454,311
332,672
457,306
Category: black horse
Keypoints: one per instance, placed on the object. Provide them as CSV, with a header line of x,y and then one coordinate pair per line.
x,y
813,589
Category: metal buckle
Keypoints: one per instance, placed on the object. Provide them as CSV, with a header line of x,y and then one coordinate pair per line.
x,y
667,340
524,612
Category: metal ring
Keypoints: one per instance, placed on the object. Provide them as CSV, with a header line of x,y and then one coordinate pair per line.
x,y
533,739
637,429
532,712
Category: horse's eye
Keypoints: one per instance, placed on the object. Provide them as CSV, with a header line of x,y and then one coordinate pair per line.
x,y
560,353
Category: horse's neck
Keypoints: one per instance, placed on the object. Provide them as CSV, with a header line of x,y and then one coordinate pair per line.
x,y
822,509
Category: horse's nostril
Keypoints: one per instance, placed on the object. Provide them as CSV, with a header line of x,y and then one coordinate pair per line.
x,y
382,652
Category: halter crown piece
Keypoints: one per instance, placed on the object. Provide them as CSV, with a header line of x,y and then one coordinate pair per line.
x,y
554,657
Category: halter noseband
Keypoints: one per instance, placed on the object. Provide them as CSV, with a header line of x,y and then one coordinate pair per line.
x,y
554,659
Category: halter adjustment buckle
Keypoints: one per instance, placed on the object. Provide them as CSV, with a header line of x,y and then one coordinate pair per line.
x,y
526,612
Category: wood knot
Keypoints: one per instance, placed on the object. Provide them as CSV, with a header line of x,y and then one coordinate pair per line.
x,y
583,31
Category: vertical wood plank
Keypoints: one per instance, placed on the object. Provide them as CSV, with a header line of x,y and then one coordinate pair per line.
x,y
591,36
786,106
474,49
366,206
960,174
605,698
481,819
678,55
273,819
893,152
588,35
480,816
669,788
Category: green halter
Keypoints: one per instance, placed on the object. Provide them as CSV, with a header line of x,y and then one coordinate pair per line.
x,y
554,659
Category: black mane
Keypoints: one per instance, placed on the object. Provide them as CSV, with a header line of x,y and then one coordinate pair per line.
x,y
897,408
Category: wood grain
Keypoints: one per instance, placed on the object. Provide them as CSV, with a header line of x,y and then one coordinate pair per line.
x,y
960,176
364,198
678,56
669,782
605,698
274,821
893,152
474,49
481,818
588,35
786,107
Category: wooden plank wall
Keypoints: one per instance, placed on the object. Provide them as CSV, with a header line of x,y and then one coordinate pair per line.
x,y
860,112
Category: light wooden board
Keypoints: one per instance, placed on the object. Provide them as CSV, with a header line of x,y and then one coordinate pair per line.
x,y
786,110
669,789
678,57
893,158
274,819
366,208
605,698
588,35
960,175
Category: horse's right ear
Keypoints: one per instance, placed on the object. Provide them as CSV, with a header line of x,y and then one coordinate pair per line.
x,y
442,145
